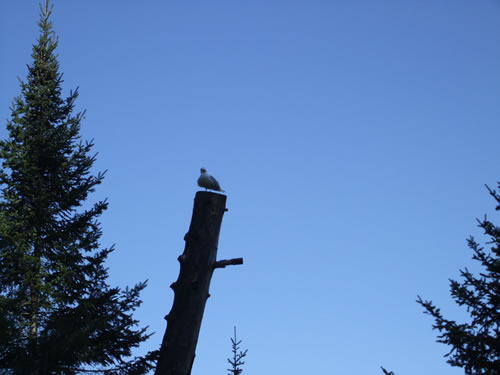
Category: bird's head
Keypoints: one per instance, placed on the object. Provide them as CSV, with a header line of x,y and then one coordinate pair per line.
x,y
203,170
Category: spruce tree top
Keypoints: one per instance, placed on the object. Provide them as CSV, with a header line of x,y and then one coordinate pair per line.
x,y
475,345
58,315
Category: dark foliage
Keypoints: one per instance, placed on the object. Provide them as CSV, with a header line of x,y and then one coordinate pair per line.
x,y
475,346
58,315
237,360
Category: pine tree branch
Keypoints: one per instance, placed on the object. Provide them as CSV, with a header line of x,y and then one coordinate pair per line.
x,y
229,262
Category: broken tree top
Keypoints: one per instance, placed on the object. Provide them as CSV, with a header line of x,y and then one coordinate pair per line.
x,y
208,182
191,289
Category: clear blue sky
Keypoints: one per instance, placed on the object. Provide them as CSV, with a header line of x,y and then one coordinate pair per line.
x,y
353,139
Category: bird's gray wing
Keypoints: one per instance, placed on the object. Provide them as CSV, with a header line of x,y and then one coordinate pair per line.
x,y
214,182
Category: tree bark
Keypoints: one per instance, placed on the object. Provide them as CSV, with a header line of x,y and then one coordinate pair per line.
x,y
197,264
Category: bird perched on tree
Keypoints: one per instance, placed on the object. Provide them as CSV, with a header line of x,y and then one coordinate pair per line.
x,y
208,182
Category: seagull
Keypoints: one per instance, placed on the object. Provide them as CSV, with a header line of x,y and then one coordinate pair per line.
x,y
208,182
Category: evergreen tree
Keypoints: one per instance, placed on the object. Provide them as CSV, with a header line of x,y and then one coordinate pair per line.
x,y
58,315
237,360
475,346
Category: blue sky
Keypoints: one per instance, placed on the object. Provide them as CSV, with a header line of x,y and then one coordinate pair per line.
x,y
353,139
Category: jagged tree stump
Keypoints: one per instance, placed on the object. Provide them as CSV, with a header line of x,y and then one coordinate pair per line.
x,y
197,263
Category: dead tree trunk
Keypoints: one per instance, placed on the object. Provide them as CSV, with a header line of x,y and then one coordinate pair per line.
x,y
197,264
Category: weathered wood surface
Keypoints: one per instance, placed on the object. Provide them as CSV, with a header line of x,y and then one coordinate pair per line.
x,y
191,290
